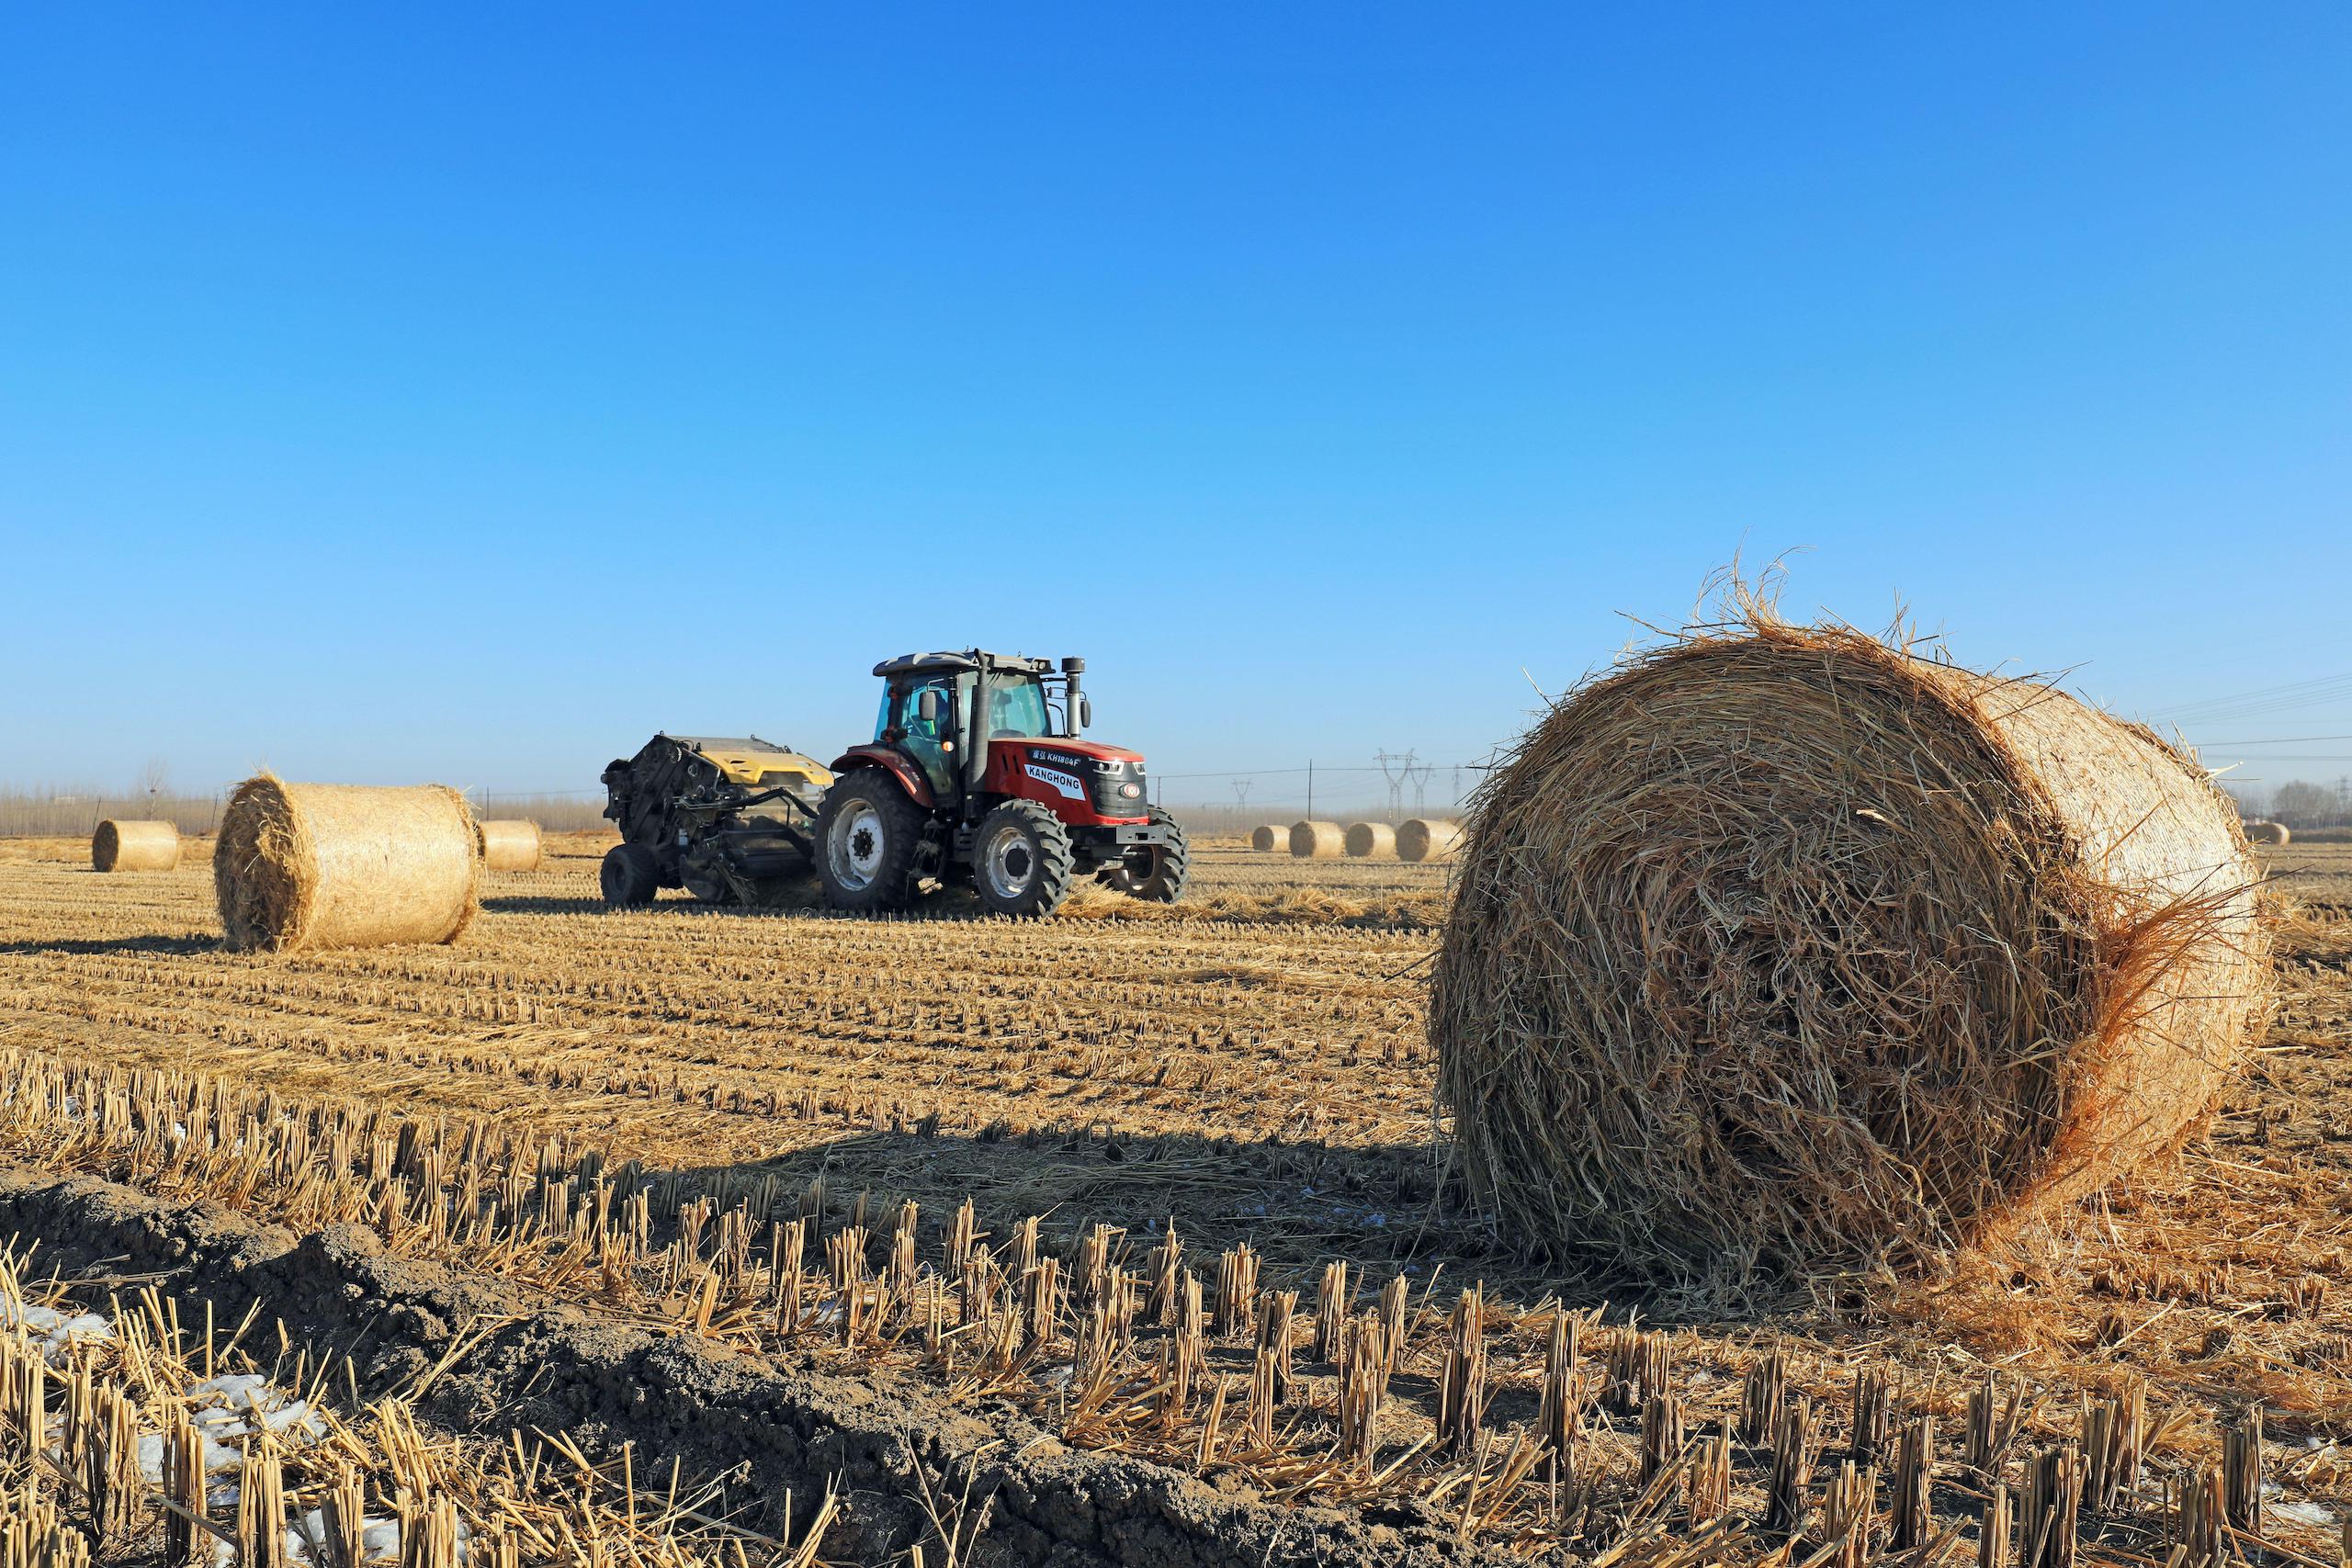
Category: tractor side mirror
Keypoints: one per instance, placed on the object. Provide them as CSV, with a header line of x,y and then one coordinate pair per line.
x,y
927,705
1085,711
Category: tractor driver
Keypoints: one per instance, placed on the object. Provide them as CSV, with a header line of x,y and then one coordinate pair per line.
x,y
922,737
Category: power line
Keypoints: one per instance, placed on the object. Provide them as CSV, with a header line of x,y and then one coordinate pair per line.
x,y
1318,768
2262,700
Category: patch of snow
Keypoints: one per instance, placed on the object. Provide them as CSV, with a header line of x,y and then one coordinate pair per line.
x,y
238,1391
296,1419
380,1538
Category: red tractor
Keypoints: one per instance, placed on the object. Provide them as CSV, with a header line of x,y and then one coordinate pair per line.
x,y
976,771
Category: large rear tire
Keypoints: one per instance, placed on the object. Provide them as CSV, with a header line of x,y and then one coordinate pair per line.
x,y
1155,873
867,835
630,876
1022,861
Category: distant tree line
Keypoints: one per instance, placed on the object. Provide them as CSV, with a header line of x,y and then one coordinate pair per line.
x,y
2298,803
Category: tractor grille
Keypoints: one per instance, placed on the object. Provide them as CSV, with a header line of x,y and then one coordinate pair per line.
x,y
1108,783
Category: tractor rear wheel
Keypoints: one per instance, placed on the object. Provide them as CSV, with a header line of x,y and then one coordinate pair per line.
x,y
630,876
1154,873
1021,863
868,833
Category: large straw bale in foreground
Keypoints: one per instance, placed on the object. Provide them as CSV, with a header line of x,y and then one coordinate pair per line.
x,y
1367,838
2268,832
1420,839
510,846
135,846
1269,838
1316,841
1788,952
306,866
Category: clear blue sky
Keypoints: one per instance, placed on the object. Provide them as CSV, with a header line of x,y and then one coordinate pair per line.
x,y
463,392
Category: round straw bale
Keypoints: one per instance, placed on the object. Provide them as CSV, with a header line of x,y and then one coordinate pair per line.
x,y
1782,952
1265,839
1420,838
1366,839
2268,832
306,866
510,846
1316,841
135,846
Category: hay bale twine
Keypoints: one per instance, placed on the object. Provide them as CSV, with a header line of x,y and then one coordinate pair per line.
x,y
135,846
510,844
1420,838
2268,832
1367,838
301,866
1265,841
1783,953
1316,841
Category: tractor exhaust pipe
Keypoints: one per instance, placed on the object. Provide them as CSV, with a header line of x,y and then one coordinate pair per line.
x,y
1073,701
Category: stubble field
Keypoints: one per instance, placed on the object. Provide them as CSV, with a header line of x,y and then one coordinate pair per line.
x,y
563,1166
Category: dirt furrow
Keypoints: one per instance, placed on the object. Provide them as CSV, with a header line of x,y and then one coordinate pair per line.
x,y
900,1450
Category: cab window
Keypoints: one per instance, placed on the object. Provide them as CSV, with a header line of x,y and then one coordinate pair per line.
x,y
902,710
1018,712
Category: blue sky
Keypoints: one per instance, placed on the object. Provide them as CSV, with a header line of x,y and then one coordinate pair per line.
x,y
464,392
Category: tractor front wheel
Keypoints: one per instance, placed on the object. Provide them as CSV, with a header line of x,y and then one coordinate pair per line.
x,y
868,833
1153,872
1021,863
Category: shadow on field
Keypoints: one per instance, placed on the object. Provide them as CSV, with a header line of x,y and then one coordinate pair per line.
x,y
592,904
1383,1208
93,947
544,903
949,903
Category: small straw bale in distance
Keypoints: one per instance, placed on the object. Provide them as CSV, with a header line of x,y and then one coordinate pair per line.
x,y
1420,839
1267,840
135,846
1316,841
510,846
305,866
1780,952
2268,832
1365,839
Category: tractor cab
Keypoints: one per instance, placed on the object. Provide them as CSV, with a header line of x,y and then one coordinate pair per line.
x,y
978,767
942,710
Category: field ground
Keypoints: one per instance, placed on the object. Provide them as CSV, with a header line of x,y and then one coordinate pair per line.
x,y
1252,1068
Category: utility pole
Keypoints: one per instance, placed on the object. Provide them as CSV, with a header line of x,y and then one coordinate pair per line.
x,y
1310,789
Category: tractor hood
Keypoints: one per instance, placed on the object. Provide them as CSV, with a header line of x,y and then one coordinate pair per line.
x,y
1074,752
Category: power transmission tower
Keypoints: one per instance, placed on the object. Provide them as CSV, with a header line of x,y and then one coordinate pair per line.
x,y
1397,767
1241,788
